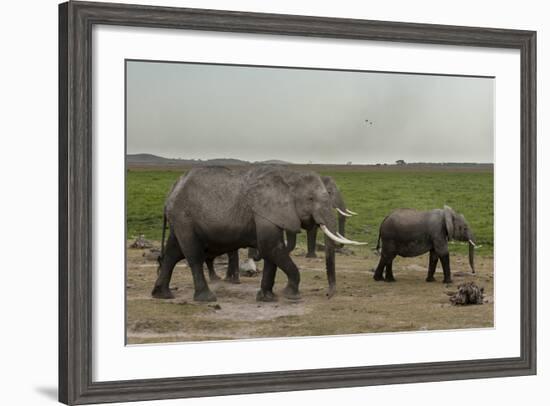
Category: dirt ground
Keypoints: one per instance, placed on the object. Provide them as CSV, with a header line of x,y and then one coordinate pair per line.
x,y
361,304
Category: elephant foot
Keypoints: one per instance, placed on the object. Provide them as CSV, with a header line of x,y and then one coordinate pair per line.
x,y
232,279
331,291
378,277
448,281
291,293
390,279
214,277
162,293
311,255
266,296
205,296
430,279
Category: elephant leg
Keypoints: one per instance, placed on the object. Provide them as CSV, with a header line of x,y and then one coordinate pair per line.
x,y
194,252
283,261
311,242
445,263
265,294
232,274
379,272
211,271
432,265
389,271
279,256
202,291
272,248
442,250
172,255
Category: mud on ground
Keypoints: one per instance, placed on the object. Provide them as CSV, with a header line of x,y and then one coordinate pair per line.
x,y
361,304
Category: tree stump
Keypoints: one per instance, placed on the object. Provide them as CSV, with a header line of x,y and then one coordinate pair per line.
x,y
468,293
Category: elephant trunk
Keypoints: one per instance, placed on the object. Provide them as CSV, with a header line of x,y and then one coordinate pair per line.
x,y
471,248
330,263
327,221
342,225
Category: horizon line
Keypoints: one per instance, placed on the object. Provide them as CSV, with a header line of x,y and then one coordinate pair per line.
x,y
315,163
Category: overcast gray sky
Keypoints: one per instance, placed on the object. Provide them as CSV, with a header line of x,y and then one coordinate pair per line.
x,y
179,110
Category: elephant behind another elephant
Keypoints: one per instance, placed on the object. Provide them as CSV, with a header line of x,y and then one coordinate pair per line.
x,y
339,204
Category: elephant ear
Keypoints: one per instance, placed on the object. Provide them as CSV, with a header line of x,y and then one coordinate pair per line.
x,y
269,197
449,225
333,192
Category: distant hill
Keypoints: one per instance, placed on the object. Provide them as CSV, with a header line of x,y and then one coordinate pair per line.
x,y
154,160
274,162
146,159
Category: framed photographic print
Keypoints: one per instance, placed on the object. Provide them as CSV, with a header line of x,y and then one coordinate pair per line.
x,y
303,200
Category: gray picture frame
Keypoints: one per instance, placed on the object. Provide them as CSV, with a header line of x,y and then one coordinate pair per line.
x,y
76,20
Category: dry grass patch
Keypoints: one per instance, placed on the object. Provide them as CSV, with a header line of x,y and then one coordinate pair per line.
x,y
360,306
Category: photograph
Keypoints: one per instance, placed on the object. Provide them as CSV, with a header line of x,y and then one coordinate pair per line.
x,y
289,203
279,201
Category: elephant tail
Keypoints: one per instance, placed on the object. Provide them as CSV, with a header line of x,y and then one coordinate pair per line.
x,y
161,255
379,234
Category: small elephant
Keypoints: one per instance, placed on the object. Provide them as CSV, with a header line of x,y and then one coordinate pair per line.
x,y
409,233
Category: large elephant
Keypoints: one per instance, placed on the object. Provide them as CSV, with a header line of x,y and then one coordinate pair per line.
x,y
338,203
216,210
343,213
409,233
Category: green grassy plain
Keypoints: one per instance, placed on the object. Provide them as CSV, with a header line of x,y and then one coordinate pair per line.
x,y
371,192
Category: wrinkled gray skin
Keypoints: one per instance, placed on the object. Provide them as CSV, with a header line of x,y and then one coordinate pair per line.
x,y
215,210
409,233
299,180
232,273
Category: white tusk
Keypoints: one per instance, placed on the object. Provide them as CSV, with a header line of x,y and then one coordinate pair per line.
x,y
339,239
471,242
343,213
330,235
351,212
348,241
351,242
